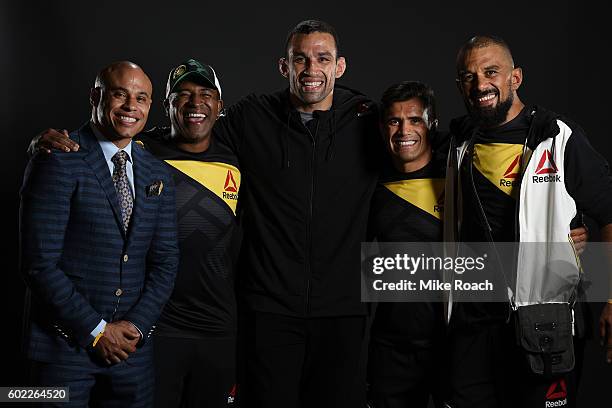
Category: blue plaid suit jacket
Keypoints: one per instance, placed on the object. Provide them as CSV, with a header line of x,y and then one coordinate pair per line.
x,y
78,263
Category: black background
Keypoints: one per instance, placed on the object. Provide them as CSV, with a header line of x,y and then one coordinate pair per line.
x,y
53,50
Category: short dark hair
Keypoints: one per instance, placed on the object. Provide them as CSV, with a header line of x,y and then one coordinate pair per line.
x,y
407,90
481,41
312,26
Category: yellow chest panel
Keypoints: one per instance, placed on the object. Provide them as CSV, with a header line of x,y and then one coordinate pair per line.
x,y
220,178
500,163
426,194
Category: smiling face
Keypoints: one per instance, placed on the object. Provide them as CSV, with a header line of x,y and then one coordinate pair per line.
x,y
312,68
193,111
405,130
121,101
488,83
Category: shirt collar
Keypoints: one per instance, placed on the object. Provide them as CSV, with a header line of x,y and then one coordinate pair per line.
x,y
109,148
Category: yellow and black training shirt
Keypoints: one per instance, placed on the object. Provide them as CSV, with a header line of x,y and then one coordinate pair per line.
x,y
408,207
203,303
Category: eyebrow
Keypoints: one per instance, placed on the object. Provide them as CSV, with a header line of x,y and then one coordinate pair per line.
x,y
320,54
488,67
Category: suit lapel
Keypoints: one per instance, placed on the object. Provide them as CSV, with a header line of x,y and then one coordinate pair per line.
x,y
142,170
96,160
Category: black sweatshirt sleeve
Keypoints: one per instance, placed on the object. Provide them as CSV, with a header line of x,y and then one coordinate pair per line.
x,y
229,129
587,178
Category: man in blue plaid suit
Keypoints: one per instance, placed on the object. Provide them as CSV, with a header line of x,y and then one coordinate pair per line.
x,y
99,251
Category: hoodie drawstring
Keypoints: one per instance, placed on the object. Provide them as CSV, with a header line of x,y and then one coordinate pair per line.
x,y
329,155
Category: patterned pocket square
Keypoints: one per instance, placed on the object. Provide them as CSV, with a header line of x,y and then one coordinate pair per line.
x,y
155,189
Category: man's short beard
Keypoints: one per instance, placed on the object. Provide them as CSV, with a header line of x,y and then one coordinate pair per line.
x,y
491,117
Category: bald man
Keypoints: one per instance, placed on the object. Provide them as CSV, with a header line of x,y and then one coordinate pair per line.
x,y
99,251
522,172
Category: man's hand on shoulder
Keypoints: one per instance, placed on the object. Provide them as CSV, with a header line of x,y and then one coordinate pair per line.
x,y
52,139
580,236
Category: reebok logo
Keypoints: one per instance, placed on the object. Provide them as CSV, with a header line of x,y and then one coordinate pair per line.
x,y
547,160
557,390
511,173
230,189
560,403
231,397
547,166
556,396
230,183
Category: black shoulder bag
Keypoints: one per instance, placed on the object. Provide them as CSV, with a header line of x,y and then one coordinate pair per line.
x,y
544,332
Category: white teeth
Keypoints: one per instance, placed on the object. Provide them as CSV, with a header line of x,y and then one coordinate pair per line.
x,y
407,143
318,83
195,115
487,97
127,119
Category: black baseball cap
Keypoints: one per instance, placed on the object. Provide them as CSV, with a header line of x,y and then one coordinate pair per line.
x,y
194,71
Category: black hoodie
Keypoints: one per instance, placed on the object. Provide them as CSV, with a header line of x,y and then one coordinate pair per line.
x,y
304,201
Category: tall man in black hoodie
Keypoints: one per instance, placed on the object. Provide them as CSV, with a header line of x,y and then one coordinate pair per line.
x,y
309,160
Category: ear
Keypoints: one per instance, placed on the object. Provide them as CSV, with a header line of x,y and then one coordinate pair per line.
x,y
517,78
95,94
458,84
340,67
283,67
220,105
433,125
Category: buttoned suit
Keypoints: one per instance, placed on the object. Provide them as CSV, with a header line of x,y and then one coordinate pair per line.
x,y
81,266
